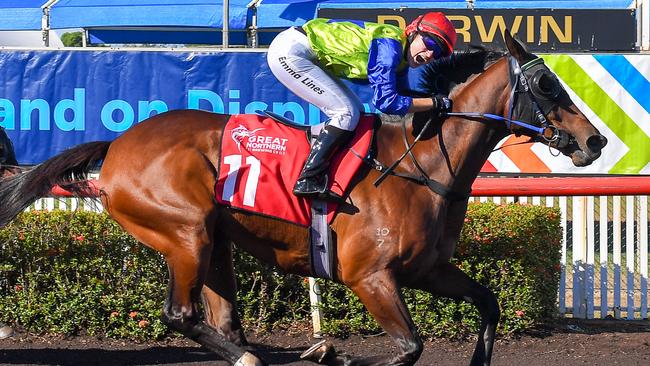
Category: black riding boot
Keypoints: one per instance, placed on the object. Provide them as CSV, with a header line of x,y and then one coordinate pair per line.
x,y
312,181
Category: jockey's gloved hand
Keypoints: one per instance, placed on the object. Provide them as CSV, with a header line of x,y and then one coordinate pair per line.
x,y
441,104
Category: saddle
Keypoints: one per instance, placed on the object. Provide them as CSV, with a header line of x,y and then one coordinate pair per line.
x,y
261,159
262,156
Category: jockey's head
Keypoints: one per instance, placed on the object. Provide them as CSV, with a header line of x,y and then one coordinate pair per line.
x,y
431,36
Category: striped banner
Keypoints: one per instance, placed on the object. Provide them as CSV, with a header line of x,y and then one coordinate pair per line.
x,y
613,91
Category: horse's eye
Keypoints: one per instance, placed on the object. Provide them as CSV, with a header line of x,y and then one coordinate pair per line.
x,y
546,84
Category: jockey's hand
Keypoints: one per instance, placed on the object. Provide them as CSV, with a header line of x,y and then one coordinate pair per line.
x,y
441,105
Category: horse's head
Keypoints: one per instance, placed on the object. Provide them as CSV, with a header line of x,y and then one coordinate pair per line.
x,y
538,96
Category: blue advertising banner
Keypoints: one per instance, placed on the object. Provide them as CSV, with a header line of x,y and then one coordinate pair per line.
x,y
53,100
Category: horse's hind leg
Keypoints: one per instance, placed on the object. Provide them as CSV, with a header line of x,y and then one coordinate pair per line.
x,y
187,246
220,295
449,281
188,265
383,299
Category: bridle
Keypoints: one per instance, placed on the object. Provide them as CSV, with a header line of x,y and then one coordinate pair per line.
x,y
534,82
533,90
531,82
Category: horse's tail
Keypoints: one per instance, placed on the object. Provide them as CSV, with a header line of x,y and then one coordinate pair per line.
x,y
17,192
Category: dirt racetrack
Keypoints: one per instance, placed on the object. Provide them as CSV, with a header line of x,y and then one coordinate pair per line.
x,y
563,343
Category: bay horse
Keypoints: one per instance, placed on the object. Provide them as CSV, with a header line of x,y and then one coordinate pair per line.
x,y
158,182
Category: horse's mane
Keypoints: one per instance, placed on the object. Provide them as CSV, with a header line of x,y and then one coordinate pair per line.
x,y
443,75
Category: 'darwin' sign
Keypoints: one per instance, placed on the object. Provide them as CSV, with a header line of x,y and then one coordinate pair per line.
x,y
542,30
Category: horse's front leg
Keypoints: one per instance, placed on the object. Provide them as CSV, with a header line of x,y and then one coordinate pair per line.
x,y
382,297
449,281
220,294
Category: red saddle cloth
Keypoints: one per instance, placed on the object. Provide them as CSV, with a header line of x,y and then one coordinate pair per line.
x,y
261,160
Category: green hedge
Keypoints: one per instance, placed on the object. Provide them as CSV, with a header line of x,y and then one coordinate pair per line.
x,y
80,273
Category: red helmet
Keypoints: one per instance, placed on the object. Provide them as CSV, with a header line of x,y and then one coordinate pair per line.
x,y
437,24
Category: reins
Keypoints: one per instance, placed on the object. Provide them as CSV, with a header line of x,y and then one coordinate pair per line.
x,y
423,179
545,132
541,131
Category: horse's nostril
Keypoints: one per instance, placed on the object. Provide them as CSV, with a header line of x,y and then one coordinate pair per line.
x,y
595,143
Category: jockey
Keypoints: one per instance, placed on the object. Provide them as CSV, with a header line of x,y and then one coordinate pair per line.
x,y
309,61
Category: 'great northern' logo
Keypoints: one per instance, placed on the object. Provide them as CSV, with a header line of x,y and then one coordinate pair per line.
x,y
253,142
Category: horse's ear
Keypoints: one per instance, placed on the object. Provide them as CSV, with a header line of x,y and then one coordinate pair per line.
x,y
514,47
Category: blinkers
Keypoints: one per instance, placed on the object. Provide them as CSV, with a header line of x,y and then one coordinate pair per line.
x,y
535,92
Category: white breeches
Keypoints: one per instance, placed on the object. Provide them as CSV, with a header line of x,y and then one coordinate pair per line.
x,y
294,63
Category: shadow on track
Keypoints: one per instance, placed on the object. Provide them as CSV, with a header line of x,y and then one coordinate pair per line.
x,y
73,355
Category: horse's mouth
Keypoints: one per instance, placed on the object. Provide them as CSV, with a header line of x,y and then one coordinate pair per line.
x,y
581,158
583,153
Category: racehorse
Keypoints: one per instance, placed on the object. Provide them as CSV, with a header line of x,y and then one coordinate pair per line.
x,y
157,181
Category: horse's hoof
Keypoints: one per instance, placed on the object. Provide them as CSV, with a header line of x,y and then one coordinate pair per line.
x,y
322,352
5,331
249,359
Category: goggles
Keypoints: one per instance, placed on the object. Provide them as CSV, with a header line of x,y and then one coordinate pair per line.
x,y
432,45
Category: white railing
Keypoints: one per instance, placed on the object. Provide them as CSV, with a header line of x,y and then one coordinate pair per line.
x,y
604,265
66,204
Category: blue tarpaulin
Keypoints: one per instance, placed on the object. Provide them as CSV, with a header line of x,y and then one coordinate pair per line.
x,y
21,14
164,36
286,13
153,21
283,13
150,13
359,4
553,4
27,14
199,21
449,4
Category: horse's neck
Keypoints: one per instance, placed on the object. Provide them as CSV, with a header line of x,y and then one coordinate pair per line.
x,y
455,154
466,154
469,143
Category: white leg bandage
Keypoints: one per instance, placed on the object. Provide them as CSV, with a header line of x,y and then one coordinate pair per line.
x,y
248,359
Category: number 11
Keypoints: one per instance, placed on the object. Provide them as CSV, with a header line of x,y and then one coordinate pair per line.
x,y
234,162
